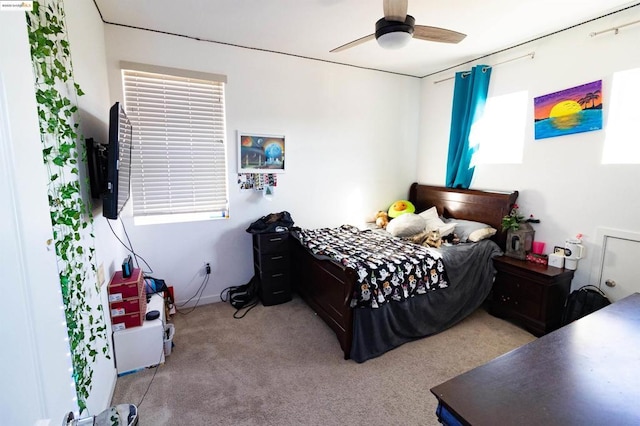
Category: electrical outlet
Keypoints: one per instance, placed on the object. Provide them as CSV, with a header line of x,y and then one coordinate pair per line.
x,y
101,275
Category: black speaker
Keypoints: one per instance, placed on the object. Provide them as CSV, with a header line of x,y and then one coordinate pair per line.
x,y
151,315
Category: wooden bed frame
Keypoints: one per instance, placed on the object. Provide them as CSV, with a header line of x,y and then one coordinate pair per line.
x,y
327,286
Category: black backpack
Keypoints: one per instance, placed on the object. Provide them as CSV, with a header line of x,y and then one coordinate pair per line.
x,y
242,296
582,302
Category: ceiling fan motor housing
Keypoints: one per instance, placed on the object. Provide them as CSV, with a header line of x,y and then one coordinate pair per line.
x,y
384,26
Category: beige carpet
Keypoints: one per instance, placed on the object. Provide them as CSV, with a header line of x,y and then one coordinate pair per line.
x,y
281,365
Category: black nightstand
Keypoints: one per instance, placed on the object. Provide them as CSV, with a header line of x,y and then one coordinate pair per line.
x,y
271,262
530,293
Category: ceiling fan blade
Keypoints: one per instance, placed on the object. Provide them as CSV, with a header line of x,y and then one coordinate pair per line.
x,y
440,35
395,10
353,43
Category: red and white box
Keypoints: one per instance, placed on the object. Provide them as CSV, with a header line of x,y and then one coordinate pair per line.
x,y
128,306
121,288
124,322
127,300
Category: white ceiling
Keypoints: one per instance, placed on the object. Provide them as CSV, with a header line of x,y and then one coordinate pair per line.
x,y
311,28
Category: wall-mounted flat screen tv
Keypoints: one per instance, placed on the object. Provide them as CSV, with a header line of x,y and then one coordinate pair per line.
x,y
118,163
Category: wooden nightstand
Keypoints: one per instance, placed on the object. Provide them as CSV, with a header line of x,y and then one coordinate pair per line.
x,y
530,293
271,262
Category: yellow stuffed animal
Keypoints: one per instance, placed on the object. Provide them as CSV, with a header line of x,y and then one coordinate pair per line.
x,y
401,207
382,219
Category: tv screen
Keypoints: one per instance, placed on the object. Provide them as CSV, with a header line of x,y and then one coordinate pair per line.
x,y
118,163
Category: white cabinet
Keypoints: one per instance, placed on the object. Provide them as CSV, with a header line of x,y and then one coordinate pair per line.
x,y
140,347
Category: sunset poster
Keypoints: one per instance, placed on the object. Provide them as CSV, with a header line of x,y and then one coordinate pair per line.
x,y
574,110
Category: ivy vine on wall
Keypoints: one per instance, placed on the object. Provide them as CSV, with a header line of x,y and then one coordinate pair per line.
x,y
71,218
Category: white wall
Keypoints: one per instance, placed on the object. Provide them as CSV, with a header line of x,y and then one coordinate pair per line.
x,y
86,38
351,142
35,369
561,180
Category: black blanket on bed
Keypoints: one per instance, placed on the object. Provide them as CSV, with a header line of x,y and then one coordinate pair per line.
x,y
470,272
389,269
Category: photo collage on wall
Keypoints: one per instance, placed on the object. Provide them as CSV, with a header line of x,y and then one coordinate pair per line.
x,y
257,181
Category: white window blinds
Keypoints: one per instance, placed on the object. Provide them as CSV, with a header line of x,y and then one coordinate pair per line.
x,y
179,154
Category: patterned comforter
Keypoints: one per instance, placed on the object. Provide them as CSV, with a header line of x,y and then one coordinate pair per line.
x,y
388,268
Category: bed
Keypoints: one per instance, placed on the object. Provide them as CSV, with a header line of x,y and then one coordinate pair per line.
x,y
329,287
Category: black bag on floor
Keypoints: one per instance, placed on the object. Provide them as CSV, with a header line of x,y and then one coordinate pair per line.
x,y
242,297
582,302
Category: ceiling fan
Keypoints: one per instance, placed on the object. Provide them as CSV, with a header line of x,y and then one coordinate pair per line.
x,y
396,29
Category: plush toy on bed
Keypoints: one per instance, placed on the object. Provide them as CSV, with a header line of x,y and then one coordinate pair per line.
x,y
401,207
382,219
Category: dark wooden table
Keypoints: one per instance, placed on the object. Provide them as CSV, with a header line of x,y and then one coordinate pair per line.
x,y
586,373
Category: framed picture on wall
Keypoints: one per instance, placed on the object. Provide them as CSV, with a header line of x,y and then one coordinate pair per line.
x,y
574,110
260,153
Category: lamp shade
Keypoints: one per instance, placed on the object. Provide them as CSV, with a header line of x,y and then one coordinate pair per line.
x,y
394,40
394,34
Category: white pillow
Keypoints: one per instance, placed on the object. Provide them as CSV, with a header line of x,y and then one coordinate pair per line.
x,y
406,225
434,222
472,231
481,234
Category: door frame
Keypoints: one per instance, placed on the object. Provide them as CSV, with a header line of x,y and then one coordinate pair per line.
x,y
602,236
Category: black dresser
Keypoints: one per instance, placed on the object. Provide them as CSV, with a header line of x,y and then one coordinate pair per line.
x,y
271,263
530,293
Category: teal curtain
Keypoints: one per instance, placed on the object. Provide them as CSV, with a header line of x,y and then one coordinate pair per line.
x,y
469,98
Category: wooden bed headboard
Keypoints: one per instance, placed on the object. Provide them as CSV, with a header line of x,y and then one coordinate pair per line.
x,y
469,204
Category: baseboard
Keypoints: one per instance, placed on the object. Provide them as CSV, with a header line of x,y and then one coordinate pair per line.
x,y
204,300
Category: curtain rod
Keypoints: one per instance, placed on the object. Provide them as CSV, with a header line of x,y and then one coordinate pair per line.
x,y
613,28
528,55
532,40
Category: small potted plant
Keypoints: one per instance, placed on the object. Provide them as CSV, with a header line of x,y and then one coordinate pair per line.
x,y
513,220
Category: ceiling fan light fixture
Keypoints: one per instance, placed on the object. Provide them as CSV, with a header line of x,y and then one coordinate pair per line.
x,y
394,34
394,40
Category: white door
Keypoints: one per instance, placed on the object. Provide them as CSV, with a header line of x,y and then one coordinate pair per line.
x,y
20,393
618,269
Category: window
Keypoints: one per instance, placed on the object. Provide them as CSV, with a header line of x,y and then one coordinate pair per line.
x,y
500,133
178,170
621,140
